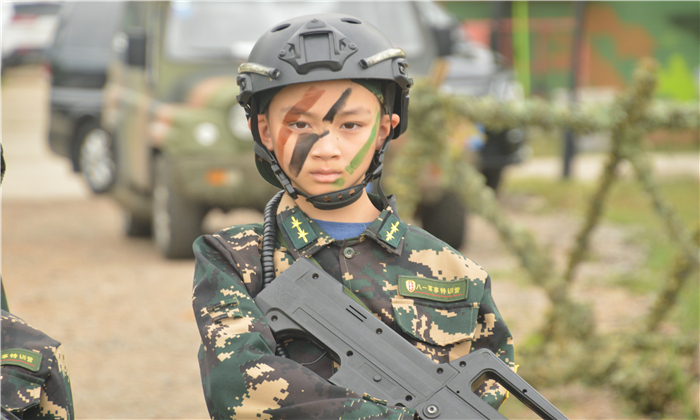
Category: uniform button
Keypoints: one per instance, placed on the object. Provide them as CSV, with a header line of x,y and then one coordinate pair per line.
x,y
349,252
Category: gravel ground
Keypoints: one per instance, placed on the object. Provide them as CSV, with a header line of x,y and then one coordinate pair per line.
x,y
124,313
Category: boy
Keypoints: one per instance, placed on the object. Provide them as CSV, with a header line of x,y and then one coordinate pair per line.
x,y
324,95
34,381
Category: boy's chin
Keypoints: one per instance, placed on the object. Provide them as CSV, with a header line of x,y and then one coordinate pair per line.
x,y
326,188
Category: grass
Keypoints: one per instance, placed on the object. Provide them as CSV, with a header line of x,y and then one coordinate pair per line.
x,y
626,204
546,143
629,207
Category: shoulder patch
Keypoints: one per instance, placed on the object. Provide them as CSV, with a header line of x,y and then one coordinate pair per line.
x,y
437,290
299,230
392,231
27,359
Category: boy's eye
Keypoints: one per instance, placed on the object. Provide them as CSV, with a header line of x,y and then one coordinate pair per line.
x,y
350,126
300,125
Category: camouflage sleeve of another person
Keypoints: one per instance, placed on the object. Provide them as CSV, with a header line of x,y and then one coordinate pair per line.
x,y
35,382
492,333
241,376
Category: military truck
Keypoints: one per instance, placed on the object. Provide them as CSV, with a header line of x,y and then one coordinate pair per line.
x,y
181,141
78,60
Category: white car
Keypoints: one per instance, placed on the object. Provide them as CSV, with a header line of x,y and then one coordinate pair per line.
x,y
27,30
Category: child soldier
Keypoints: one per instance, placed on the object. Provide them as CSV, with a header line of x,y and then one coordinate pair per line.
x,y
325,94
34,380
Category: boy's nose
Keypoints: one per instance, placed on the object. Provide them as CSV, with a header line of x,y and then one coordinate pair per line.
x,y
326,147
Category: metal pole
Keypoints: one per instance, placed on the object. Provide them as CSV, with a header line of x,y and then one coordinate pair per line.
x,y
521,44
569,136
498,10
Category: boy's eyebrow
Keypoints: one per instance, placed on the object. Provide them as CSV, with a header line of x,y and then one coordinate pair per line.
x,y
354,111
312,94
338,105
294,110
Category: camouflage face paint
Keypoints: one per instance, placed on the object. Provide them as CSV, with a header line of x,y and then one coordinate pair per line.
x,y
360,156
307,141
301,151
337,106
307,101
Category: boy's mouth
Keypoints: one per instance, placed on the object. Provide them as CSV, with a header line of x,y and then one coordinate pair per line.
x,y
325,175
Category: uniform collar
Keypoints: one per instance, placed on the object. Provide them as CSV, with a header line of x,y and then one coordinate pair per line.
x,y
303,237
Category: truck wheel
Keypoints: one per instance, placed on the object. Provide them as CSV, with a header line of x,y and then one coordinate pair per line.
x,y
176,221
96,158
136,226
445,219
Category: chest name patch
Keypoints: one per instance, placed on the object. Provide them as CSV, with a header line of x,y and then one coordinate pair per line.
x,y
441,291
27,359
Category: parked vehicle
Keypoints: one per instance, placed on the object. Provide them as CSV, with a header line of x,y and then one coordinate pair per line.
x,y
27,31
78,59
182,142
472,70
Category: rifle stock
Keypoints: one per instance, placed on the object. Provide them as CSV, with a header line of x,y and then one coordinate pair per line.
x,y
305,301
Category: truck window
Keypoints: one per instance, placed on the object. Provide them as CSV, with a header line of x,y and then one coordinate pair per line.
x,y
88,24
202,30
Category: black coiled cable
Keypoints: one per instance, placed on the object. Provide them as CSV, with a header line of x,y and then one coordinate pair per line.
x,y
268,251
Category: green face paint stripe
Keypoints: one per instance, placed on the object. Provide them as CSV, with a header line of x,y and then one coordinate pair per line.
x,y
360,156
339,182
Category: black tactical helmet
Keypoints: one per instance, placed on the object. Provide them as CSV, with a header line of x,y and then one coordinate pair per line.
x,y
317,48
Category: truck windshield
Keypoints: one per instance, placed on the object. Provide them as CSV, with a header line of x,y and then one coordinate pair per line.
x,y
217,30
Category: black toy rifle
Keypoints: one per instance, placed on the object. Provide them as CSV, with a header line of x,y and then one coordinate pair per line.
x,y
8,415
305,301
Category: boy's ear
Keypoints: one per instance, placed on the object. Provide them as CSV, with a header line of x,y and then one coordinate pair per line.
x,y
264,131
385,128
395,120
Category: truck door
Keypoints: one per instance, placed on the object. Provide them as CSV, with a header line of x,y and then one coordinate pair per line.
x,y
134,97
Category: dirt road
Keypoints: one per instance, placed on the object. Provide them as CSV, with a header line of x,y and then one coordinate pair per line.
x,y
124,313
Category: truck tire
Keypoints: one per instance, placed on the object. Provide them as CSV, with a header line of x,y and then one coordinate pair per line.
x,y
137,226
445,219
176,221
96,157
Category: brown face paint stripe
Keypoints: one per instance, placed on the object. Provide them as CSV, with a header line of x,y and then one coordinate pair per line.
x,y
337,106
310,97
301,151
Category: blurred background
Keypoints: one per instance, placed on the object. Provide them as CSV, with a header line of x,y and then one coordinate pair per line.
x,y
124,142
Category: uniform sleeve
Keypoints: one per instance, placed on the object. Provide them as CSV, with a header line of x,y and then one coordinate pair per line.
x,y
35,381
57,396
492,333
241,376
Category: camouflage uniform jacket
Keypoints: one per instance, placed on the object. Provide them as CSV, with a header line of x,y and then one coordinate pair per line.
x,y
416,284
35,382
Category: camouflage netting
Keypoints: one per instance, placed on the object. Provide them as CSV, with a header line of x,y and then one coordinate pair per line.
x,y
657,374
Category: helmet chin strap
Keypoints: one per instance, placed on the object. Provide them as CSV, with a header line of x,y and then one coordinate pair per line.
x,y
327,201
342,198
335,199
